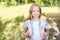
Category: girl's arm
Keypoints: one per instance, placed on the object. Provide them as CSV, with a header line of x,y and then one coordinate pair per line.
x,y
46,30
26,33
45,34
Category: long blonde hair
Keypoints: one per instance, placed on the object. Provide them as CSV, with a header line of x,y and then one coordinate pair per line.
x,y
30,11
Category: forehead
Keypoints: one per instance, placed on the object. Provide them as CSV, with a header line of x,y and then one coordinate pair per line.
x,y
35,8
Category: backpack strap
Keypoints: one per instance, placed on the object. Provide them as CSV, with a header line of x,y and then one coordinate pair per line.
x,y
30,28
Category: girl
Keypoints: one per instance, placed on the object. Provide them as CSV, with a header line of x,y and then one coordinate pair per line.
x,y
34,27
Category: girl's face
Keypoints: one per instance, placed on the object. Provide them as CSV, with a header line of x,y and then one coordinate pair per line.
x,y
35,12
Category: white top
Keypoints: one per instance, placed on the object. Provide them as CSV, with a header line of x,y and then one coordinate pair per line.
x,y
36,30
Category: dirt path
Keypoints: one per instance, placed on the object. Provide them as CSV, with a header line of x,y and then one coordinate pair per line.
x,y
10,12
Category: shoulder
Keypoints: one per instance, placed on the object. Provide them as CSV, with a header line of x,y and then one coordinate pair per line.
x,y
27,22
43,20
45,23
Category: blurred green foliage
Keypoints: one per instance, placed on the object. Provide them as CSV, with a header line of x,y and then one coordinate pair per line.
x,y
45,3
9,30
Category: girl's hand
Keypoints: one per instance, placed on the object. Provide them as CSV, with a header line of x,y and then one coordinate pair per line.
x,y
26,34
45,35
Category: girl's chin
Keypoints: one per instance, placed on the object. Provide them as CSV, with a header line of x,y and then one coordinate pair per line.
x,y
36,17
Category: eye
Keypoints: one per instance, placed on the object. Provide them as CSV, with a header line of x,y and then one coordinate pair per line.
x,y
37,10
33,11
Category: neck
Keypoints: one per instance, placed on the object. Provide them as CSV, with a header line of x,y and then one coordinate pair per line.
x,y
36,19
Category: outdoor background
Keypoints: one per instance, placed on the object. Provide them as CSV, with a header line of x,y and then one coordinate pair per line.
x,y
13,13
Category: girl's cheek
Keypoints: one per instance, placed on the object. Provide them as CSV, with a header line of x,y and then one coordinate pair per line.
x,y
38,13
33,12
